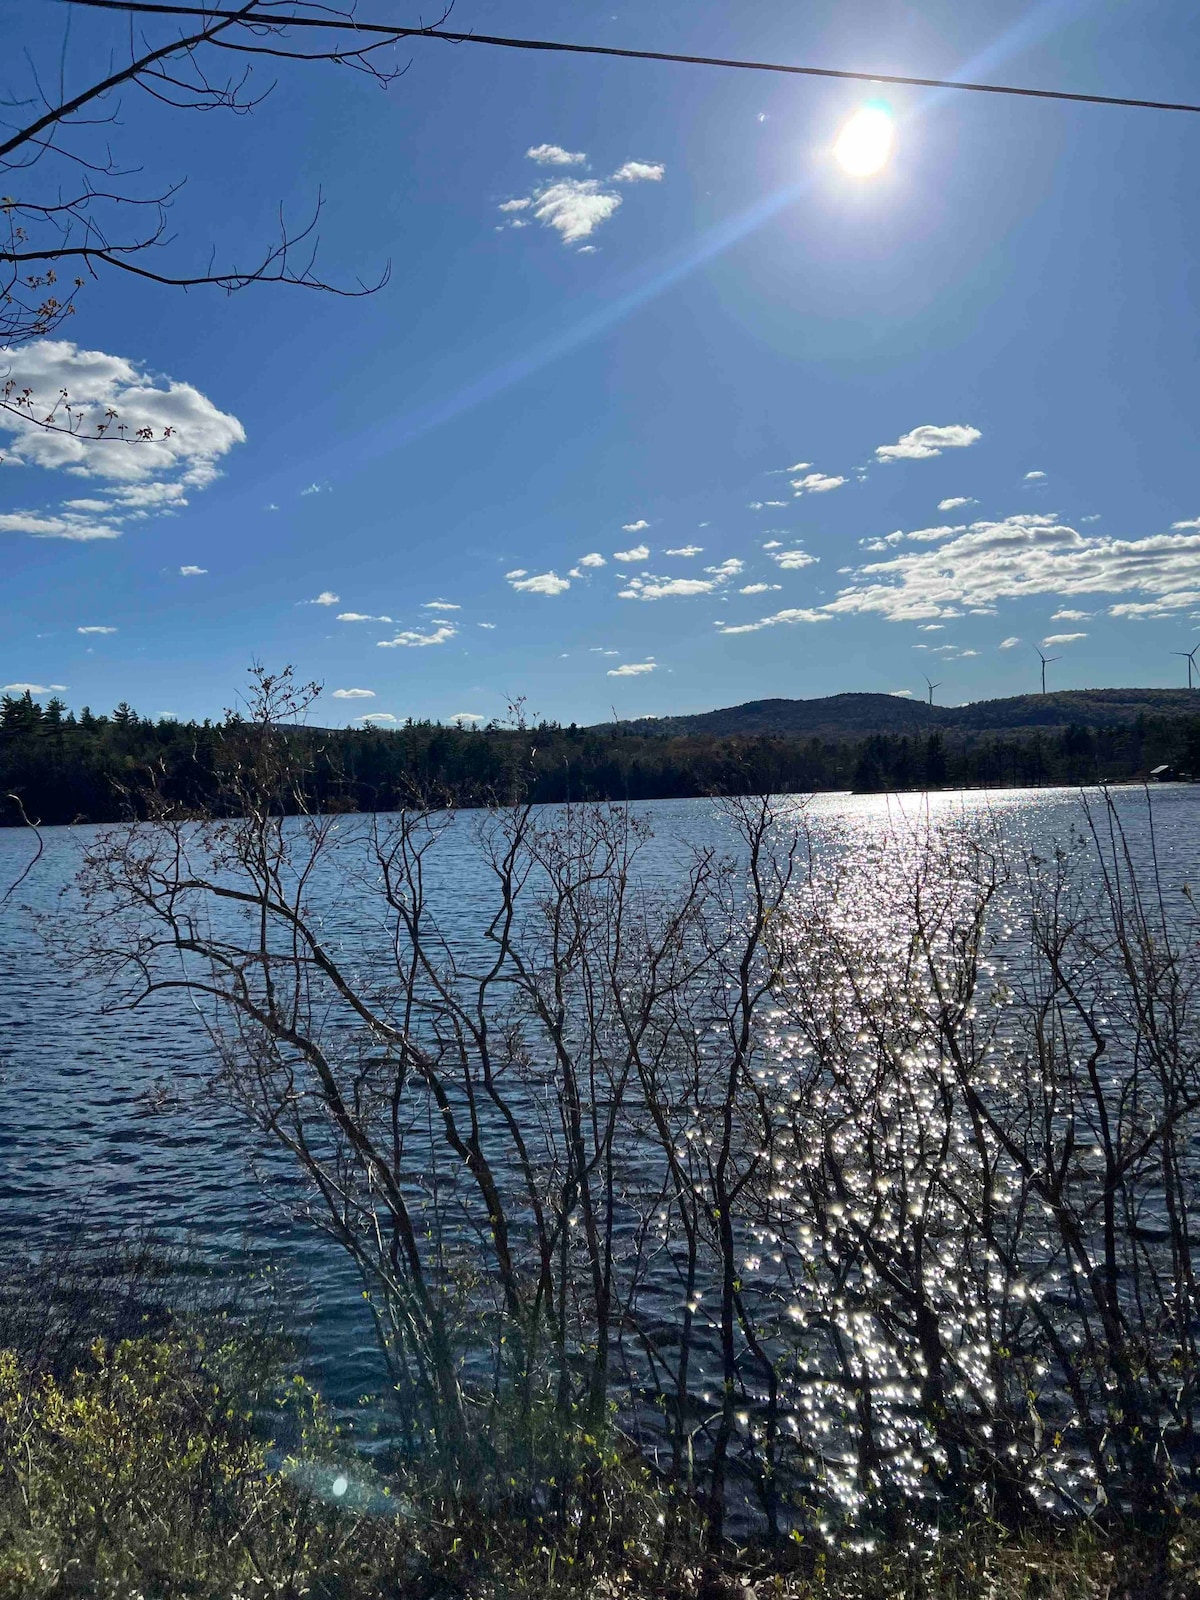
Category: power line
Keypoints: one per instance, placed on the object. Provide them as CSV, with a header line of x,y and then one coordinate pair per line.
x,y
499,41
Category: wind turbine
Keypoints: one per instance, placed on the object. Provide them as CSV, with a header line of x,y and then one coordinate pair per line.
x,y
1190,657
933,686
1046,660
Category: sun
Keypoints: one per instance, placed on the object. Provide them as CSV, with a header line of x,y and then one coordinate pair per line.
x,y
865,143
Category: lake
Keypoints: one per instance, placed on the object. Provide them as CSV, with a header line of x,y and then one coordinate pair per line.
x,y
105,1119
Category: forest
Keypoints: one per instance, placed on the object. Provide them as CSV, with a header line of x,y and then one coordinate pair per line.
x,y
59,767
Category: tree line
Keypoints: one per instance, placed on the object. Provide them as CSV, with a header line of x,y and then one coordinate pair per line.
x,y
59,767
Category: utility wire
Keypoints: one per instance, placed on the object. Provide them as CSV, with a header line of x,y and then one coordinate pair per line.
x,y
386,30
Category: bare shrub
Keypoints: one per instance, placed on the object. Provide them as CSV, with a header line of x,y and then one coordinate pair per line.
x,y
808,1186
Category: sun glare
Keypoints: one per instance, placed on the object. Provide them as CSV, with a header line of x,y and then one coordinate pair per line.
x,y
865,143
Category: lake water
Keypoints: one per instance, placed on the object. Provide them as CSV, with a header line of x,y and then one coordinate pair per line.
x,y
104,1119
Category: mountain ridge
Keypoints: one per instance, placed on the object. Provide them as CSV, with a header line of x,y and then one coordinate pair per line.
x,y
859,714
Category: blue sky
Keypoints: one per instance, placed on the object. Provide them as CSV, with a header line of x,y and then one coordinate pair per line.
x,y
908,425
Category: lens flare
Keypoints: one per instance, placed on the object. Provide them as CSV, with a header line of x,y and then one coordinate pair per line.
x,y
865,143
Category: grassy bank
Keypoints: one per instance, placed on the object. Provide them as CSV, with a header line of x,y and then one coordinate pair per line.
x,y
168,1466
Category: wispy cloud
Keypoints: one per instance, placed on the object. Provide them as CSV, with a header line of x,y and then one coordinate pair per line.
x,y
354,694
317,488
68,525
814,483
574,207
633,669
794,560
1007,644
467,716
1061,638
439,605
413,639
325,598
639,172
553,155
192,572
665,588
548,583
360,616
95,628
791,615
1069,614
377,716
1033,477
926,441
34,688
1027,554
686,551
759,588
953,503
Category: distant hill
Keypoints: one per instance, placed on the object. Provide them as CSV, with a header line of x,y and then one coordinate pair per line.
x,y
840,715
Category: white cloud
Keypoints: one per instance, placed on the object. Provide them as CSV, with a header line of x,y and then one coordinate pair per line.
x,y
793,614
686,551
316,488
574,207
1067,614
411,639
517,572
772,544
94,629
1192,522
553,155
1033,477
815,483
515,205
795,560
377,716
1007,644
759,588
927,441
592,559
71,525
1061,638
639,552
359,616
34,688
665,588
325,598
639,172
1022,555
541,583
632,669
354,694
192,572
490,626
639,526
439,605
167,436
1165,607
467,716
901,694
798,466
955,501
727,569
